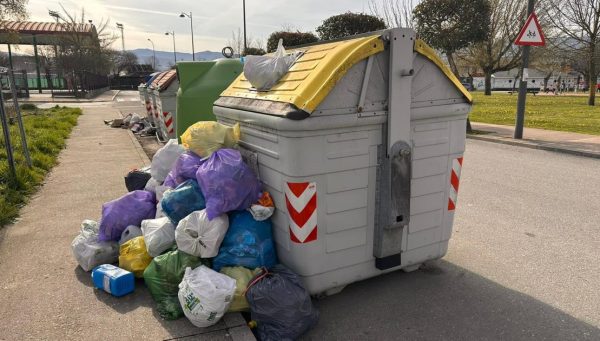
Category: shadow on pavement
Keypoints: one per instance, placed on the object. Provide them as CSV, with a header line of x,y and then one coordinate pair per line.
x,y
441,301
180,328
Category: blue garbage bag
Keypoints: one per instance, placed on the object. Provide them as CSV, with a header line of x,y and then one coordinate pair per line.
x,y
248,243
129,209
183,200
227,183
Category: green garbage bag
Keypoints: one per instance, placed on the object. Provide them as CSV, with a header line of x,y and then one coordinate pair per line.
x,y
162,278
242,277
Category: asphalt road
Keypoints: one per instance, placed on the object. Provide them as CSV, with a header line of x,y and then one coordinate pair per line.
x,y
523,262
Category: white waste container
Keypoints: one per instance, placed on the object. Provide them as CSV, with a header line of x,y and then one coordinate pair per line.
x,y
154,113
165,94
361,146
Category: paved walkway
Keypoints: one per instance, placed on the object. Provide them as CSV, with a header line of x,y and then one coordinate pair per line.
x,y
44,295
558,141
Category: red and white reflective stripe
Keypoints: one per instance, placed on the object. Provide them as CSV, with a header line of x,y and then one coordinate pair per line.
x,y
454,182
168,121
301,203
155,112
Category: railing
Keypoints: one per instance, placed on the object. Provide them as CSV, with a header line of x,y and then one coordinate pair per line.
x,y
21,85
125,83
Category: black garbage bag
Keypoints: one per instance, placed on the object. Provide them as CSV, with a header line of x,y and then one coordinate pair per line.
x,y
280,304
136,180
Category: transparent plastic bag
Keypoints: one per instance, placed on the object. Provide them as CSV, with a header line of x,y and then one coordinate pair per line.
x,y
205,295
206,137
198,236
89,251
263,72
164,159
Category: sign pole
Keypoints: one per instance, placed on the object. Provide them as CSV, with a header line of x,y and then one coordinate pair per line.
x,y
523,85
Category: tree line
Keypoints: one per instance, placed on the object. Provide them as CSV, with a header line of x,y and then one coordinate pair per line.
x,y
476,36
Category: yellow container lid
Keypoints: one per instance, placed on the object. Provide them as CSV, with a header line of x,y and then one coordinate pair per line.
x,y
317,71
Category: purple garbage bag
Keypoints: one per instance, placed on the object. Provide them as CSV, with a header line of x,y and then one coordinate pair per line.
x,y
228,184
185,168
129,209
170,181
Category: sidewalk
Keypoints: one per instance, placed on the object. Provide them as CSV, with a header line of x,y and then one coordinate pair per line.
x,y
557,141
44,295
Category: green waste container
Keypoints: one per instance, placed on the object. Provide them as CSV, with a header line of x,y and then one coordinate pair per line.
x,y
200,84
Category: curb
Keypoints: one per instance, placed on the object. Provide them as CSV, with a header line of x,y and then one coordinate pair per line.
x,y
534,145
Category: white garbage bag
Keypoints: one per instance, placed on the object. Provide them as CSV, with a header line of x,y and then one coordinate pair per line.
x,y
164,159
160,191
89,252
159,235
263,72
200,237
129,233
151,185
159,211
205,295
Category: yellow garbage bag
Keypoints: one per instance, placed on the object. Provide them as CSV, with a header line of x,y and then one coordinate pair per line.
x,y
206,137
134,257
242,277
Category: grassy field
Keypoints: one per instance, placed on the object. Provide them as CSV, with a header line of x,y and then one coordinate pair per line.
x,y
46,131
565,113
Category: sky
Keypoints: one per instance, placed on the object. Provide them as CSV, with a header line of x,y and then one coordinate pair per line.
x,y
214,21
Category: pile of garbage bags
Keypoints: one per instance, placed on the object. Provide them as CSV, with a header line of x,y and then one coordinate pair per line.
x,y
135,122
196,226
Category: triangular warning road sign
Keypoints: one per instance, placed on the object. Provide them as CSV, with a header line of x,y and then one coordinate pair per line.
x,y
531,33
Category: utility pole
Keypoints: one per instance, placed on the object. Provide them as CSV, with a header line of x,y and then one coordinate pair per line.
x,y
523,85
245,41
189,15
120,26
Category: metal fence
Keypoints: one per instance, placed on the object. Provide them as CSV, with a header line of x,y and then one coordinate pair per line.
x,y
79,84
126,82
9,113
21,84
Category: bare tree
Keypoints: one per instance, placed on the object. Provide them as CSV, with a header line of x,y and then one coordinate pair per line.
x,y
579,22
236,42
13,9
395,13
550,60
497,52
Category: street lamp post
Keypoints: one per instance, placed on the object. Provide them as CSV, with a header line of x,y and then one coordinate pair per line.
x,y
245,41
56,16
153,55
189,15
120,26
174,49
